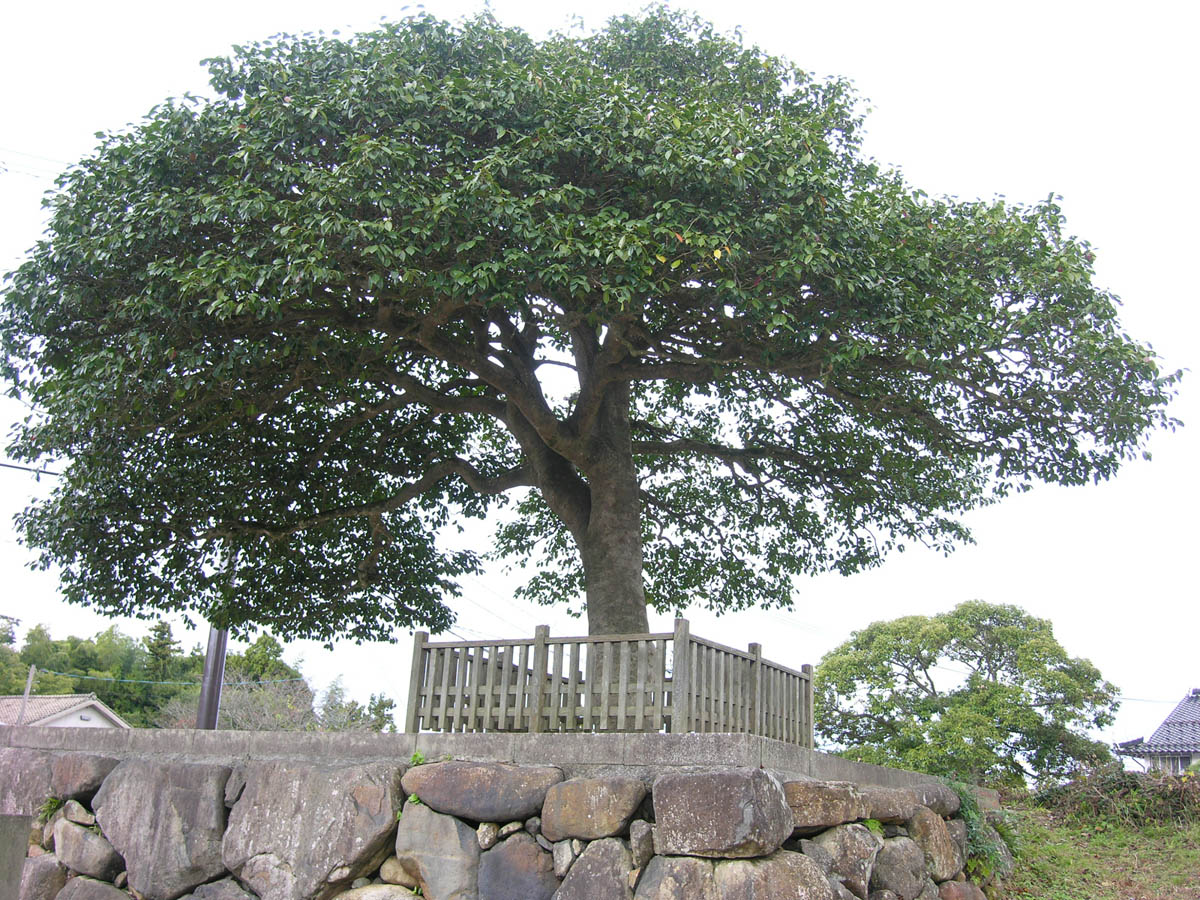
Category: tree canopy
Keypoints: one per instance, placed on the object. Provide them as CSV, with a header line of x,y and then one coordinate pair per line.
x,y
642,283
983,693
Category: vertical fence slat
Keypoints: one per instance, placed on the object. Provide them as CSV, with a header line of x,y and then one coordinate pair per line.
x,y
522,715
557,722
622,685
476,662
681,680
506,673
447,663
589,687
416,681
606,680
537,687
573,688
809,723
640,695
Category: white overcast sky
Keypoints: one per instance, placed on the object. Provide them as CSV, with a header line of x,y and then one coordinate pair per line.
x,y
1093,101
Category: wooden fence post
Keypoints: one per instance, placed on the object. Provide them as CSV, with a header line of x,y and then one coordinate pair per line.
x,y
807,734
681,680
540,635
417,669
756,691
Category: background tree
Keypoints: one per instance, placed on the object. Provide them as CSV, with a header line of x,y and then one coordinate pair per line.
x,y
13,672
642,281
983,692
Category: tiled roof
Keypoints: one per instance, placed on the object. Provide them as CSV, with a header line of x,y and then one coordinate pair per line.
x,y
1179,732
46,706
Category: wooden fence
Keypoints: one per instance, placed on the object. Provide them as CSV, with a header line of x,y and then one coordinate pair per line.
x,y
673,682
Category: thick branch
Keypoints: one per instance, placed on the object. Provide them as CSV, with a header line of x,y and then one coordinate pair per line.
x,y
481,484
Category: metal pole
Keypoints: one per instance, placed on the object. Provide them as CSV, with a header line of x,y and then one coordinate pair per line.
x,y
25,698
214,674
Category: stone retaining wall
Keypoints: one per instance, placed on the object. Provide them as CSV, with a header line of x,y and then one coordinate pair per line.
x,y
229,816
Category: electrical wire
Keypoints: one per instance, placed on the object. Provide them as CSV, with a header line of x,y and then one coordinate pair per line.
x,y
143,681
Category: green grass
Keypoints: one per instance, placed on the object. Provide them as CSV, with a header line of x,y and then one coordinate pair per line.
x,y
1064,861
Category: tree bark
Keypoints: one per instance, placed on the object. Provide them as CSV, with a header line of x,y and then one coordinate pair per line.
x,y
611,544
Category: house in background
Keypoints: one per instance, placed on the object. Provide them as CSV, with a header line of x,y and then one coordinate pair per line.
x,y
59,711
1175,744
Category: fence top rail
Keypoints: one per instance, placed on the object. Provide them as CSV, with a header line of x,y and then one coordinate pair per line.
x,y
516,642
742,654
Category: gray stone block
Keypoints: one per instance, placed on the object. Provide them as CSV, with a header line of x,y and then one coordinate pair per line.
x,y
42,877
732,813
86,852
25,781
303,830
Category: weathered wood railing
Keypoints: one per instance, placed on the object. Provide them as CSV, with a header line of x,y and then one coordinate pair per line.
x,y
672,681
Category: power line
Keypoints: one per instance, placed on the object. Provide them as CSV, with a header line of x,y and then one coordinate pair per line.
x,y
143,681
8,465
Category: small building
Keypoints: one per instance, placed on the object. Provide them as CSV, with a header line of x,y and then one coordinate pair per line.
x,y
1175,744
59,711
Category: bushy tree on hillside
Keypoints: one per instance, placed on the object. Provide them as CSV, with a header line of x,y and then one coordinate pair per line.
x,y
983,693
642,281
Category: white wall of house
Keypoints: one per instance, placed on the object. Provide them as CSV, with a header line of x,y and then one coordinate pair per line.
x,y
89,717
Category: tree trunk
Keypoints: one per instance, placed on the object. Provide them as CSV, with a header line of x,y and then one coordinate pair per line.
x,y
611,550
611,544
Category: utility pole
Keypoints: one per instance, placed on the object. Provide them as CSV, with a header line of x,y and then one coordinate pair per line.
x,y
25,698
214,674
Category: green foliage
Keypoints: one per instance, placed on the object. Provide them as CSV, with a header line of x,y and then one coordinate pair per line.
x,y
984,855
983,693
47,809
1065,860
874,826
1113,797
417,759
414,799
261,692
280,338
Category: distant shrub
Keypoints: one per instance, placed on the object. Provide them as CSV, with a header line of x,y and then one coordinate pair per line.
x,y
1133,799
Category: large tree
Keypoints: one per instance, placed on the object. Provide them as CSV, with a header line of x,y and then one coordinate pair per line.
x,y
983,692
641,281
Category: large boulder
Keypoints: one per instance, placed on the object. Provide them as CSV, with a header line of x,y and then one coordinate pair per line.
x,y
817,805
438,852
517,869
900,868
730,814
86,852
958,834
600,873
677,878
783,875
42,877
225,889
25,781
166,819
895,805
77,776
303,832
960,890
378,892
591,808
941,798
84,888
943,858
854,849
482,792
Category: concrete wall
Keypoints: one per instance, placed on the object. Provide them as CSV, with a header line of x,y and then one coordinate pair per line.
x,y
576,754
